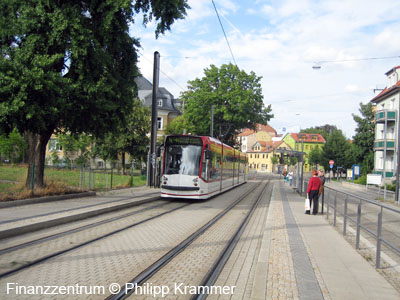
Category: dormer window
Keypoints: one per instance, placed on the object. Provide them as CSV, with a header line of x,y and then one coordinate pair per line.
x,y
160,103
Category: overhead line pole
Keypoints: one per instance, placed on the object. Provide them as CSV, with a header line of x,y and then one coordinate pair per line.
x,y
153,142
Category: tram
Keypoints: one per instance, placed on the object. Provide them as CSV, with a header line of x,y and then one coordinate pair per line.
x,y
199,167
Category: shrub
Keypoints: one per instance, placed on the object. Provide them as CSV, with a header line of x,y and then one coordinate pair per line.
x,y
361,180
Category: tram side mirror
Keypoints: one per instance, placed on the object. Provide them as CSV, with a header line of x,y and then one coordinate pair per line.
x,y
208,154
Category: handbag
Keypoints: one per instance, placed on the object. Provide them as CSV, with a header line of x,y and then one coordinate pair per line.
x,y
307,206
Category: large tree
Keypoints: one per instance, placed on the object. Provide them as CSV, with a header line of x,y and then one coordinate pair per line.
x,y
70,65
338,149
237,99
364,139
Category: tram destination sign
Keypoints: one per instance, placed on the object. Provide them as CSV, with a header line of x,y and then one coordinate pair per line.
x,y
184,140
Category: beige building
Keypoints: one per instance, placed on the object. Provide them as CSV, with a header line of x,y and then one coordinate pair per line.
x,y
261,154
248,137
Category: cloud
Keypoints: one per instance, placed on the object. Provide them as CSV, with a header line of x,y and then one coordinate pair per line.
x,y
281,41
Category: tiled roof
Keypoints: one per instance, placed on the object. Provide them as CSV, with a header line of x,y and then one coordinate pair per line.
x,y
386,91
308,137
259,127
246,132
391,70
267,146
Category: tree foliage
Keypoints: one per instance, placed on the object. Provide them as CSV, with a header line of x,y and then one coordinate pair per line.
x,y
324,130
364,139
237,99
338,149
315,156
12,146
70,65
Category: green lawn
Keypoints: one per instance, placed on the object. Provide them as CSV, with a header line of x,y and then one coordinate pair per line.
x,y
12,179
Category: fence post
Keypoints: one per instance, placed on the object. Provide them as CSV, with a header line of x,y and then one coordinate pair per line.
x,y
334,209
378,241
90,179
323,200
327,205
358,226
33,175
345,216
111,178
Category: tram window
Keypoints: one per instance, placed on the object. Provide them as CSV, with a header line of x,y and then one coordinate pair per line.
x,y
183,159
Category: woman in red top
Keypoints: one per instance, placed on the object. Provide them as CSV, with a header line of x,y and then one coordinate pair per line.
x,y
313,190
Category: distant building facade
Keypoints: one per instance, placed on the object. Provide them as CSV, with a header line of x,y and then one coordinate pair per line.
x,y
167,105
386,125
306,142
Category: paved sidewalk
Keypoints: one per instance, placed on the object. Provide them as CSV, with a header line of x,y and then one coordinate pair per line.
x,y
27,218
324,264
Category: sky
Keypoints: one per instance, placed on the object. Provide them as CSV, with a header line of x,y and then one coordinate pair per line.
x,y
353,42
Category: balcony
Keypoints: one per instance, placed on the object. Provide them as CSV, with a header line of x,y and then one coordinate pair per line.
x,y
388,173
382,115
381,145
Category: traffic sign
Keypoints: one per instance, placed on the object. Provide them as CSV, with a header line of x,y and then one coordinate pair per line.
x,y
331,162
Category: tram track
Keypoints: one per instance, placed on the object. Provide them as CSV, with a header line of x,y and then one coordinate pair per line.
x,y
43,258
177,251
75,208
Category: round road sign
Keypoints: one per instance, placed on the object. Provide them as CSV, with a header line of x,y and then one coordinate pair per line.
x,y
331,162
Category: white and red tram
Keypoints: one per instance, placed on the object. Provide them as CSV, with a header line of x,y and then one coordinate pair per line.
x,y
199,167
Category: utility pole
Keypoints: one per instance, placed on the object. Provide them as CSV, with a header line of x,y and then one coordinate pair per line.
x,y
153,142
302,167
398,156
212,121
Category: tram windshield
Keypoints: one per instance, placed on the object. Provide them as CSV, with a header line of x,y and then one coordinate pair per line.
x,y
183,155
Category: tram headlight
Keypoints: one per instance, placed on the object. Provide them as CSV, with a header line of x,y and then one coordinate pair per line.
x,y
165,179
195,181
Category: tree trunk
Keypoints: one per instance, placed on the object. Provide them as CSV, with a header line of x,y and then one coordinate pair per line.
x,y
37,151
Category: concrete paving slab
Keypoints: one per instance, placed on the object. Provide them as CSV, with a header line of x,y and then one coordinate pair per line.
x,y
345,272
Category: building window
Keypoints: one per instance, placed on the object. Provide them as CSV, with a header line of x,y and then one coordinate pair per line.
x,y
160,102
54,145
159,123
100,164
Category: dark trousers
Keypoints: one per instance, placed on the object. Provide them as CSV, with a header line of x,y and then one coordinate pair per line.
x,y
313,195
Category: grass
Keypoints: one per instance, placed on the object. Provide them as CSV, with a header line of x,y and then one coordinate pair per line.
x,y
61,181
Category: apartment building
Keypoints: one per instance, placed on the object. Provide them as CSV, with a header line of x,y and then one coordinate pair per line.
x,y
386,142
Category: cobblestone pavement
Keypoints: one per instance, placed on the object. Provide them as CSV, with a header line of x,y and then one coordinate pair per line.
x,y
120,257
282,254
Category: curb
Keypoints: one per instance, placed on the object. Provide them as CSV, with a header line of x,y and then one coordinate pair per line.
x,y
67,219
45,199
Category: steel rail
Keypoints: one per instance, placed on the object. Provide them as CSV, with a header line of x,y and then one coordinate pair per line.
x,y
75,230
161,262
58,253
377,235
220,262
76,208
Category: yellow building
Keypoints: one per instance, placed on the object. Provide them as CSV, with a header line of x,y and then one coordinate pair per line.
x,y
261,154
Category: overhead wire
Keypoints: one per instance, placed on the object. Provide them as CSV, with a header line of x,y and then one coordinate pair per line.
x,y
223,30
165,74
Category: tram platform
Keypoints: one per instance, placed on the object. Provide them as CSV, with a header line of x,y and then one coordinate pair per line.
x,y
20,219
304,257
299,256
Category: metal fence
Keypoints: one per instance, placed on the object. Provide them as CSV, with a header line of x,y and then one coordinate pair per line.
x,y
380,221
86,178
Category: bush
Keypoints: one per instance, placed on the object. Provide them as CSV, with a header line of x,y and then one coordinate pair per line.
x,y
361,180
391,186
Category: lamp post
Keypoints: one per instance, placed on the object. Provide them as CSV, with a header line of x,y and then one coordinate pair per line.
x,y
398,155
